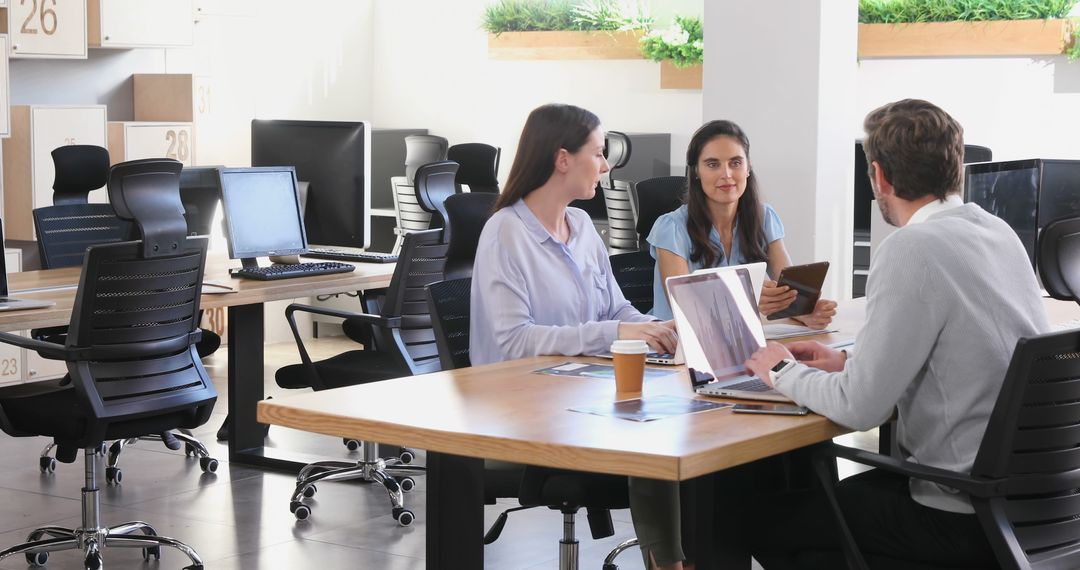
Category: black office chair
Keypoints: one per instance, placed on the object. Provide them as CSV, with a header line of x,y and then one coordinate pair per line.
x,y
1025,483
65,230
976,153
479,166
466,216
402,343
566,491
656,197
130,352
634,273
618,196
1059,259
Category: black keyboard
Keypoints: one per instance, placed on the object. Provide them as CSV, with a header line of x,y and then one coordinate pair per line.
x,y
290,270
358,256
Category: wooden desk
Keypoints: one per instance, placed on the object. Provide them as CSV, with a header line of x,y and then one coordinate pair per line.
x,y
245,366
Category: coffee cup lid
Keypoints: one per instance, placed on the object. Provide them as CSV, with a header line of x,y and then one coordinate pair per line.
x,y
629,347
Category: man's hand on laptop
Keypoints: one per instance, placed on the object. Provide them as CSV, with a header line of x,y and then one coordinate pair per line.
x,y
775,298
765,358
817,355
659,334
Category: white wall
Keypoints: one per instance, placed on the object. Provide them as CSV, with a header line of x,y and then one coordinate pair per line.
x,y
431,69
794,100
1019,107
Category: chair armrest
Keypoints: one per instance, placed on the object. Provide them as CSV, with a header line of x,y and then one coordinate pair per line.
x,y
960,481
47,350
386,322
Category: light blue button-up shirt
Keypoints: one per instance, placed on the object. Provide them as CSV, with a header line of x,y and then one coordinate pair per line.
x,y
533,295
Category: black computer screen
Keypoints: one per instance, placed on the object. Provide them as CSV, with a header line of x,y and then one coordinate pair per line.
x,y
334,159
200,191
262,212
1010,191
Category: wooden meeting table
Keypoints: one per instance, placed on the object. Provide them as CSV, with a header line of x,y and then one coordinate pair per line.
x,y
504,411
245,331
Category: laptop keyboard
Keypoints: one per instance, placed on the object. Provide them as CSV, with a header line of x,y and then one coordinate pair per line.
x,y
750,385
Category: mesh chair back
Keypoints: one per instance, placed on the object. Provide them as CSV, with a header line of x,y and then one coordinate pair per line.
x,y
656,197
449,303
478,166
633,272
466,216
79,169
1032,443
434,183
65,232
1059,258
422,149
420,263
135,316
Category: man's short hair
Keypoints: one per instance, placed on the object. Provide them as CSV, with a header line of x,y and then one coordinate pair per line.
x,y
919,147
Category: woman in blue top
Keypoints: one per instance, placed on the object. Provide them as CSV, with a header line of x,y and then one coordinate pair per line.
x,y
542,281
723,223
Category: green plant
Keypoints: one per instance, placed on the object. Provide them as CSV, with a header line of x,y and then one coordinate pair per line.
x,y
548,15
683,44
1074,50
910,11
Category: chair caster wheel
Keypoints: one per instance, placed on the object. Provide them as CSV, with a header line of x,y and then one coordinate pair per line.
x,y
300,510
92,562
189,450
154,551
407,484
352,444
113,475
404,517
37,559
406,456
47,464
611,567
208,464
310,491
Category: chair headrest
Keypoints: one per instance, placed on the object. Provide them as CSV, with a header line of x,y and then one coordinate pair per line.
x,y
148,192
479,164
434,183
616,149
422,149
1059,258
79,168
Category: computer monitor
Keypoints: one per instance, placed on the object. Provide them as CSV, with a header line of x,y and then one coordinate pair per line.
x,y
1027,194
200,192
335,159
262,213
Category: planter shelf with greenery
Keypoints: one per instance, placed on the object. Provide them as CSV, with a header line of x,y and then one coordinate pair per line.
x,y
983,38
672,77
565,45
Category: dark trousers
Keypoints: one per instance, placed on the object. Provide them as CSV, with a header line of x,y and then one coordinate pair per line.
x,y
796,528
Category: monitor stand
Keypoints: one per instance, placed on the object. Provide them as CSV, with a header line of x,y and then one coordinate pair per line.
x,y
291,259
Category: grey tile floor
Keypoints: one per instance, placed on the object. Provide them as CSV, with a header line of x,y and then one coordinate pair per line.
x,y
238,518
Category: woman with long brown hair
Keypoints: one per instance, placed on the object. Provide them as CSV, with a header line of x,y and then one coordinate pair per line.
x,y
542,281
723,222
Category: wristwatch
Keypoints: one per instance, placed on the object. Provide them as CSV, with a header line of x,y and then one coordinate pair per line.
x,y
780,369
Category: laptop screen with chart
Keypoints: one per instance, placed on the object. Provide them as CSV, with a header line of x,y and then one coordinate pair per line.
x,y
719,329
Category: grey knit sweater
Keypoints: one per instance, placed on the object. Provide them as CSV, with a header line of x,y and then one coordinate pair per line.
x,y
947,300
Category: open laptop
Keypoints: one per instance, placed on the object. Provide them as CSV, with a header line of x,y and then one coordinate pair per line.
x,y
719,329
12,303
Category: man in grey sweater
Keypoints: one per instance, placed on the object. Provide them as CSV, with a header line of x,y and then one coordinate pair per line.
x,y
948,296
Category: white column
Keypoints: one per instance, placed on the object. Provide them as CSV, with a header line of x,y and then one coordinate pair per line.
x,y
784,70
